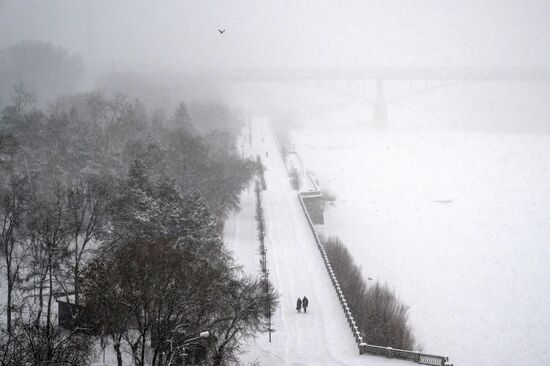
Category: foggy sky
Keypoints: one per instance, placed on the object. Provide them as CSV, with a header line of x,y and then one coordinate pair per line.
x,y
171,35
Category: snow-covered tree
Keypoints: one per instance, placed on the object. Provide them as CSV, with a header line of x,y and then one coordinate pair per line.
x,y
182,120
380,315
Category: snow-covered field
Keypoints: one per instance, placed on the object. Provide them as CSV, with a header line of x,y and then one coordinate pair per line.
x,y
457,221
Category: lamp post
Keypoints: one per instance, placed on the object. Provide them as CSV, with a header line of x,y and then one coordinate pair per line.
x,y
204,334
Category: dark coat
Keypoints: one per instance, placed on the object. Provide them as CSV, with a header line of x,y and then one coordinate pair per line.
x,y
299,304
305,302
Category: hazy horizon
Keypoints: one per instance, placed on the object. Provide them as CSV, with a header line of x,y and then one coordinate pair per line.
x,y
171,36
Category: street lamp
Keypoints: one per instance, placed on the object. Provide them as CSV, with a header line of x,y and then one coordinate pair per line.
x,y
204,334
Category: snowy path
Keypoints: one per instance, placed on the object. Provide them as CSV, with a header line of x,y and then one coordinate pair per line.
x,y
320,337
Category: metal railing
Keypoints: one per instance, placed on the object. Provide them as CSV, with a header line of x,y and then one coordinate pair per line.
x,y
421,358
364,348
388,352
347,311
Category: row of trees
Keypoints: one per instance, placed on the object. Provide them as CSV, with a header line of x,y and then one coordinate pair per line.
x,y
119,212
295,178
261,233
380,315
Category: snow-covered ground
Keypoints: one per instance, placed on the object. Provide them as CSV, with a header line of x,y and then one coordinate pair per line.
x,y
457,221
322,336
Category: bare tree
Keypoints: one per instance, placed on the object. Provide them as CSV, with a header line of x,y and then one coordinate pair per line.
x,y
22,98
13,195
149,287
242,315
49,240
87,200
35,345
295,178
380,314
109,318
183,120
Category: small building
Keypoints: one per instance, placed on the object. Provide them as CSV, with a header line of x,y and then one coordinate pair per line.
x,y
71,316
313,201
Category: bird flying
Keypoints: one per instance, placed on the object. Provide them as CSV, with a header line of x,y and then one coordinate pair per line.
x,y
221,30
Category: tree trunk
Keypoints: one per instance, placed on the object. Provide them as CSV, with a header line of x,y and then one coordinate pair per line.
x,y
49,316
143,349
156,355
218,357
10,289
50,295
9,245
9,306
40,299
116,346
76,289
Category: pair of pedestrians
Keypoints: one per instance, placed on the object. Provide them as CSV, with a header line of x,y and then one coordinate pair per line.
x,y
302,303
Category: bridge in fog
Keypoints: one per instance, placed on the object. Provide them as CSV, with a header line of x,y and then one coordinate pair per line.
x,y
324,78
375,73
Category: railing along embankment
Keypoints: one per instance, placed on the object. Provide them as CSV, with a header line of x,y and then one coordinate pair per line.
x,y
347,311
364,348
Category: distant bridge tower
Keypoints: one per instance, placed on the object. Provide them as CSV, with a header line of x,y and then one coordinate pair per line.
x,y
379,112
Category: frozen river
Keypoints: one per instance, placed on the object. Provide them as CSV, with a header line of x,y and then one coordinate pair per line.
x,y
456,220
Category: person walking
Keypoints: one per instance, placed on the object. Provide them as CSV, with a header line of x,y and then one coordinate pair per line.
x,y
299,305
305,303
